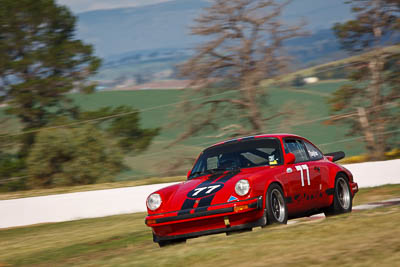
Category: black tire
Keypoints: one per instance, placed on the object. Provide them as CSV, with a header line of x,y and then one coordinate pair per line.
x,y
276,209
342,198
171,242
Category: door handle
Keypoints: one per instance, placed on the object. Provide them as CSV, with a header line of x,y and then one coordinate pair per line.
x,y
317,169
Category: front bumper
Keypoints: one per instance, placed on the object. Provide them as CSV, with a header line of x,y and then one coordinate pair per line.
x,y
218,218
260,222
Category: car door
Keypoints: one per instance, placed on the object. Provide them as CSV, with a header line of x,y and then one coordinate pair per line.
x,y
302,176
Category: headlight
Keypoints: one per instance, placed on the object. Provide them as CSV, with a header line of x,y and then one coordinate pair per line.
x,y
242,187
154,201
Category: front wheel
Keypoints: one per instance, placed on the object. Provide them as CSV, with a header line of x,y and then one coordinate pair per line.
x,y
342,199
276,210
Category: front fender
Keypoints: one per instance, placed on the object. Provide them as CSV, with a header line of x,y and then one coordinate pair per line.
x,y
263,181
166,194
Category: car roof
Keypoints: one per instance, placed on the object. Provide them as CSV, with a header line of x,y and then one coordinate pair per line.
x,y
278,135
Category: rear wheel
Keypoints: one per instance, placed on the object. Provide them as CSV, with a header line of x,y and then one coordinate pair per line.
x,y
342,199
276,210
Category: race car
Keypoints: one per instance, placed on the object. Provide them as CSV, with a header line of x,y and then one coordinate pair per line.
x,y
248,182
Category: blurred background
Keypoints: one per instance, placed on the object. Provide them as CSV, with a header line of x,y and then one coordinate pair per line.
x,y
98,94
100,91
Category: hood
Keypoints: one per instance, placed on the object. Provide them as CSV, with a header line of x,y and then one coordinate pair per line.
x,y
206,190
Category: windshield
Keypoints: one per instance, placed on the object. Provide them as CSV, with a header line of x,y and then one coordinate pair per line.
x,y
236,155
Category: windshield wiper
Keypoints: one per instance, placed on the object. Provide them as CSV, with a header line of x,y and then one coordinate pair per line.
x,y
195,173
234,169
198,173
224,169
215,170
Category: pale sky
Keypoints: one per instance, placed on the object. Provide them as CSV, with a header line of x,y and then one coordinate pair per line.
x,y
78,6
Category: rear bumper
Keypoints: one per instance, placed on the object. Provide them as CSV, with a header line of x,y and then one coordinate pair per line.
x,y
353,188
213,219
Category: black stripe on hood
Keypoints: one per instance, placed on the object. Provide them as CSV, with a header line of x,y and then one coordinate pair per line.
x,y
206,201
189,203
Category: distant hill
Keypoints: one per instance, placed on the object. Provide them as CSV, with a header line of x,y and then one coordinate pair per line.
x,y
166,25
156,26
151,39
141,66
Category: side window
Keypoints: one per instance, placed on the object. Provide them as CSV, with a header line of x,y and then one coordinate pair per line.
x,y
297,148
314,153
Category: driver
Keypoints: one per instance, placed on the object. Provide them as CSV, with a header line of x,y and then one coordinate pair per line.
x,y
227,161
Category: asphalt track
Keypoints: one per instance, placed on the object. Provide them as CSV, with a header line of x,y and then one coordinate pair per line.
x,y
369,206
100,203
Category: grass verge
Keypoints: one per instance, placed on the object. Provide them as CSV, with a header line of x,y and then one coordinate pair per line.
x,y
373,194
358,239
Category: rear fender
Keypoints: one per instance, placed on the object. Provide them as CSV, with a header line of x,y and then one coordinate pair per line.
x,y
338,170
333,173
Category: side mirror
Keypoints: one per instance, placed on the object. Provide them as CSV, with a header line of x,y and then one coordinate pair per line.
x,y
330,158
290,158
188,174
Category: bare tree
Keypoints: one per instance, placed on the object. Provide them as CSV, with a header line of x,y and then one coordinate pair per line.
x,y
375,88
244,45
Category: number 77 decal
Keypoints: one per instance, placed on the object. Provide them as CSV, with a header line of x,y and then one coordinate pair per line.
x,y
300,168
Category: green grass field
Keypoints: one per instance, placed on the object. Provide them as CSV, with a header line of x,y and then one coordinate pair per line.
x,y
364,238
307,103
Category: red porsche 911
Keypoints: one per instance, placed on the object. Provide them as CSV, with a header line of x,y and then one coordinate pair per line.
x,y
248,182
